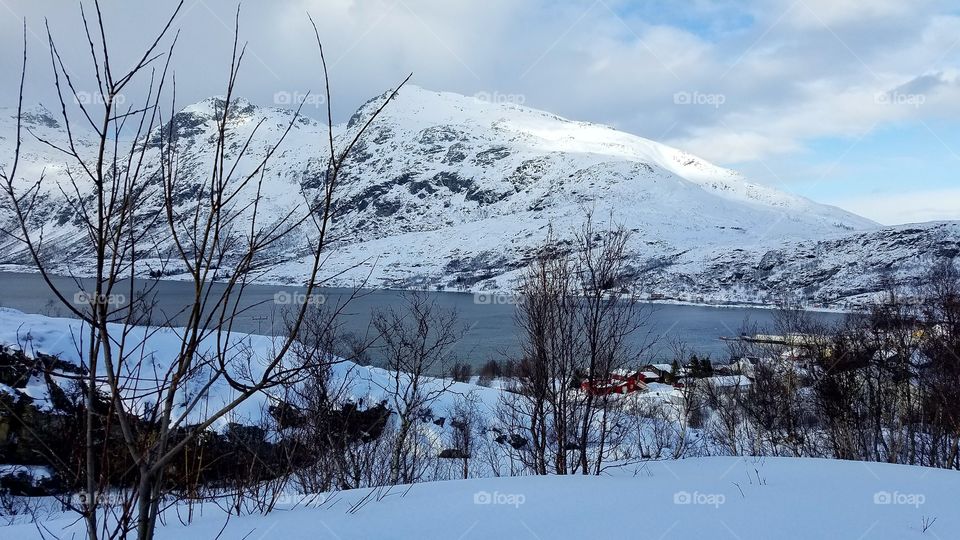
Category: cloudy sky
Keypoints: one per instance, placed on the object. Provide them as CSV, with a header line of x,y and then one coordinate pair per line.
x,y
849,102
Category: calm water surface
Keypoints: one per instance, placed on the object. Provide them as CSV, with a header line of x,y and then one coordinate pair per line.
x,y
492,329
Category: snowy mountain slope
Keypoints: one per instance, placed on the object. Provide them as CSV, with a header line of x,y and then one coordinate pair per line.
x,y
837,271
439,159
448,191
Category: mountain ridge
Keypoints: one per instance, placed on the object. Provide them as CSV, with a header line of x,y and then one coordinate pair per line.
x,y
454,192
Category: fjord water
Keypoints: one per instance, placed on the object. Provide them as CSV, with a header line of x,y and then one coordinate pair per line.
x,y
491,331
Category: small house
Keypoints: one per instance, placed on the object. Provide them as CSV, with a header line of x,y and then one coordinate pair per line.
x,y
621,381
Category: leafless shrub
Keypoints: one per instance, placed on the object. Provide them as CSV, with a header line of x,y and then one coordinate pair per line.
x,y
575,321
416,343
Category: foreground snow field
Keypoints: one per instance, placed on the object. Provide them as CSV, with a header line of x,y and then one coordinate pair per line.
x,y
737,498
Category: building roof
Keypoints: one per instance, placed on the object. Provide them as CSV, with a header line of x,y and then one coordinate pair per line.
x,y
727,381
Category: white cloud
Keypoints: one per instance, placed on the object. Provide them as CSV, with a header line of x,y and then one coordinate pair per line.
x,y
802,70
910,207
816,13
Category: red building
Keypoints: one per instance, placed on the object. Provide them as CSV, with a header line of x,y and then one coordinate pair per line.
x,y
620,382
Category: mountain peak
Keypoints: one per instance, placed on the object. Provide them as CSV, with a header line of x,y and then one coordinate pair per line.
x,y
36,116
212,107
439,129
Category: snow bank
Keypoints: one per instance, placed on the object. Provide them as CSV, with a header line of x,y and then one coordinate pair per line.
x,y
739,498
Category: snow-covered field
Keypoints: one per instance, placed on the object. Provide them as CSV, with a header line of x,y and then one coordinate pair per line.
x,y
736,498
717,497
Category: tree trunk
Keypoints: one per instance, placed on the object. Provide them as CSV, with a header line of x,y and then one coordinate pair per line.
x,y
145,523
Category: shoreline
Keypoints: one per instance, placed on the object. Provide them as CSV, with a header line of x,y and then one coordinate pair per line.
x,y
181,278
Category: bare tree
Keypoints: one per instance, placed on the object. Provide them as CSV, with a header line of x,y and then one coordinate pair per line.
x,y
465,423
547,363
881,386
577,317
129,210
939,398
415,343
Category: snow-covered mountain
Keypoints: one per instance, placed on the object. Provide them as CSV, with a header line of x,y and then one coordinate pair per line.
x,y
436,160
448,191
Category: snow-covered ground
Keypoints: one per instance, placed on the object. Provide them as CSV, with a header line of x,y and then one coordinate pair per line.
x,y
65,338
736,498
718,497
60,337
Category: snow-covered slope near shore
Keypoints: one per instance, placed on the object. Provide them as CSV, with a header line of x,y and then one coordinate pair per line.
x,y
741,498
448,191
60,337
